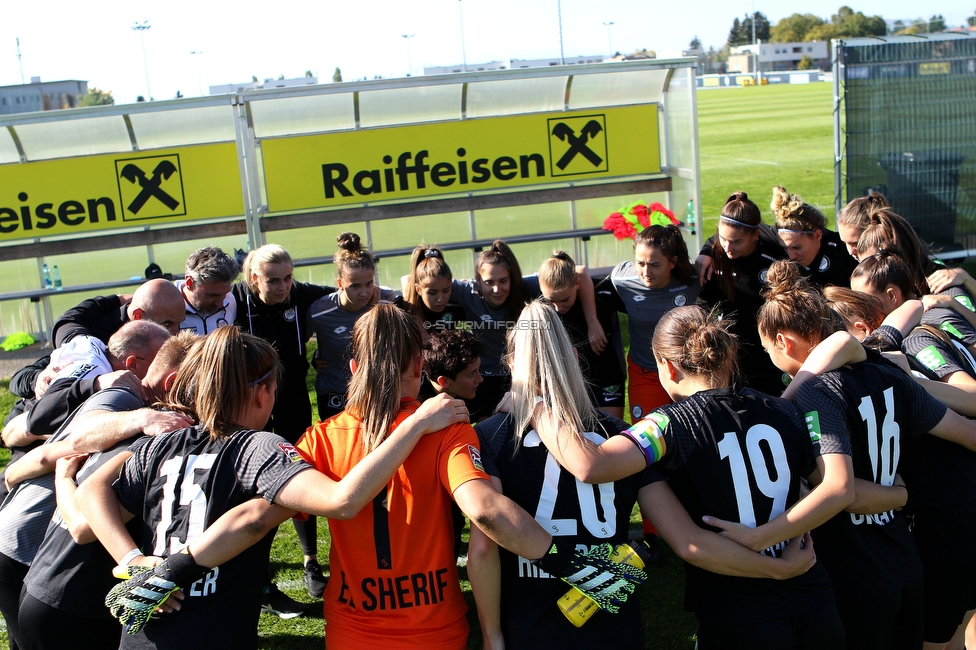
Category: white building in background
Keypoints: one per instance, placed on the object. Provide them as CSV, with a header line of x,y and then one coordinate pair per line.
x,y
41,95
778,56
225,89
514,64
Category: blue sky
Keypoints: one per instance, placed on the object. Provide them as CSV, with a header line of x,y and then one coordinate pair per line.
x,y
94,40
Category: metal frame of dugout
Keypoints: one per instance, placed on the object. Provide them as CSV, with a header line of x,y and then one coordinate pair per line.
x,y
426,156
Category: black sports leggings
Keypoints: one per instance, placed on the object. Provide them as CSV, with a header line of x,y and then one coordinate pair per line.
x,y
43,627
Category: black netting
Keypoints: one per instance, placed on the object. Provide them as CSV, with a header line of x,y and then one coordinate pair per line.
x,y
911,132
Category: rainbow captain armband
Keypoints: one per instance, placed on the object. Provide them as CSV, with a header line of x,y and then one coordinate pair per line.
x,y
647,435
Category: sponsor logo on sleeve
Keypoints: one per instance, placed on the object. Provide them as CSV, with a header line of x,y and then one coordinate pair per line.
x,y
290,452
949,328
812,420
931,358
966,302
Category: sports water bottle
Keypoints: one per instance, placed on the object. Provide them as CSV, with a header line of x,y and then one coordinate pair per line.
x,y
57,278
47,278
691,216
578,608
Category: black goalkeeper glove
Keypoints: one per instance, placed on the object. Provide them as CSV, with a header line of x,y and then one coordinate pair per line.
x,y
602,580
135,600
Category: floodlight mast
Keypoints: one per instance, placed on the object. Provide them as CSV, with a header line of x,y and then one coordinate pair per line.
x,y
141,28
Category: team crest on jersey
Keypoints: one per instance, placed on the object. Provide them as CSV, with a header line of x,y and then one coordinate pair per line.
x,y
931,358
475,454
762,275
447,317
290,451
812,420
680,300
824,264
81,370
485,318
289,314
340,329
221,321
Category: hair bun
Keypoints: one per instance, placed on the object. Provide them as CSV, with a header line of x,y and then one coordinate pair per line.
x,y
737,196
783,276
349,241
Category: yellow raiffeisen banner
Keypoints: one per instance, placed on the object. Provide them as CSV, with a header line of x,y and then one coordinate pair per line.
x,y
75,195
356,167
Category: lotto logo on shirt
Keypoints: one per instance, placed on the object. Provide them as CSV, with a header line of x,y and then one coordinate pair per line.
x,y
931,358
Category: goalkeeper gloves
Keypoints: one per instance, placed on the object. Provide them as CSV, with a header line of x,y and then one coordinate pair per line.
x,y
604,581
134,601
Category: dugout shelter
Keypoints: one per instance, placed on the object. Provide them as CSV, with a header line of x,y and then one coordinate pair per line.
x,y
538,157
905,124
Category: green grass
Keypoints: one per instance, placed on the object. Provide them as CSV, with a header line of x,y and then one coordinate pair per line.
x,y
756,137
751,139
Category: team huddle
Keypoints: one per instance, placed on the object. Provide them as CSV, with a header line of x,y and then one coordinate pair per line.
x,y
798,402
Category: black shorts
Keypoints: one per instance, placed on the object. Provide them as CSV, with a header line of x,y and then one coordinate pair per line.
x,y
944,539
890,621
820,629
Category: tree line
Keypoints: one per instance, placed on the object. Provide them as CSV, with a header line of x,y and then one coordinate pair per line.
x,y
846,23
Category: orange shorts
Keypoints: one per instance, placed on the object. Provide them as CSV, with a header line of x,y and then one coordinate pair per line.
x,y
644,390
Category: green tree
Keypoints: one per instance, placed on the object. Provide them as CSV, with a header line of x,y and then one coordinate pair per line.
x,y
847,23
736,37
337,76
806,63
741,32
695,44
794,29
937,24
96,97
308,74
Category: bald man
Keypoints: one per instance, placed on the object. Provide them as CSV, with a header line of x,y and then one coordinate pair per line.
x,y
157,301
91,366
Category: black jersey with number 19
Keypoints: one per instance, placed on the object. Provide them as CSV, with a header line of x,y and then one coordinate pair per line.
x,y
739,455
181,483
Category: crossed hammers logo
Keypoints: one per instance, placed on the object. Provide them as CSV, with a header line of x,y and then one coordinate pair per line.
x,y
577,144
150,186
